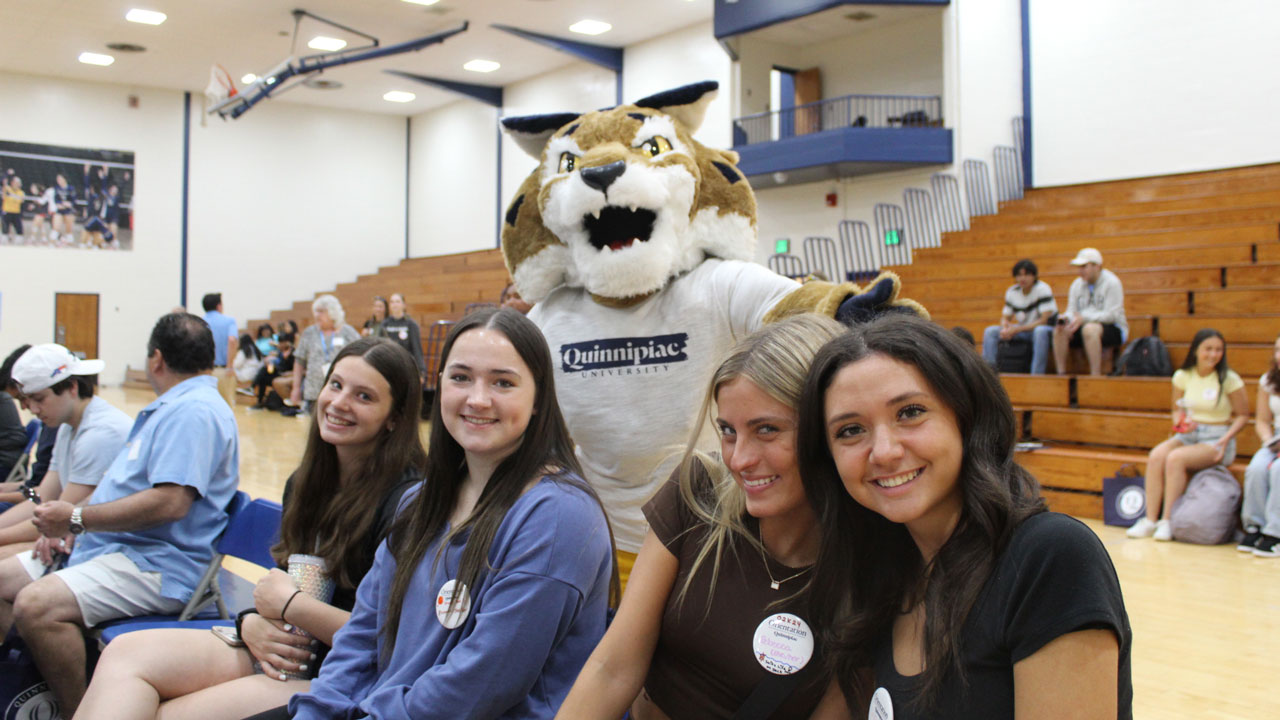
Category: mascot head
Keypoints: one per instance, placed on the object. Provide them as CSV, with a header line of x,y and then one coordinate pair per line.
x,y
624,199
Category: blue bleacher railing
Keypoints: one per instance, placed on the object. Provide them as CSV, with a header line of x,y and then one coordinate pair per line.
x,y
873,111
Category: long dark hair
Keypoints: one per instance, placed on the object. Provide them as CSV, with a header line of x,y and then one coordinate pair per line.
x,y
869,571
249,347
1221,369
545,448
328,518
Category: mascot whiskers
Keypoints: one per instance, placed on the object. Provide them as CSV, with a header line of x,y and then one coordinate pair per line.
x,y
635,241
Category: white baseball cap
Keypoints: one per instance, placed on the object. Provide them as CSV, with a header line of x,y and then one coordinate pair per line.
x,y
43,366
1086,256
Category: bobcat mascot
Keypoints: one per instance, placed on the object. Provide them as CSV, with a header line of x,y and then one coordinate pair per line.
x,y
634,241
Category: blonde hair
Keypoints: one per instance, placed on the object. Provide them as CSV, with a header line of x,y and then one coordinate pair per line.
x,y
775,359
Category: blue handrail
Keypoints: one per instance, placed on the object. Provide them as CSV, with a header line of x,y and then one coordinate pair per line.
x,y
876,111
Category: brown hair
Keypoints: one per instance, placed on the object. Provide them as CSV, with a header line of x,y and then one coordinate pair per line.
x,y
328,518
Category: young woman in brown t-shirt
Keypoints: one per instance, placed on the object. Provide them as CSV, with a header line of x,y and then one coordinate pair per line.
x,y
730,546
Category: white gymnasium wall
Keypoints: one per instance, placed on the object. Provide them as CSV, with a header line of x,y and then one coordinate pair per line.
x,y
903,58
289,200
452,181
577,87
984,72
1152,87
134,288
800,211
680,58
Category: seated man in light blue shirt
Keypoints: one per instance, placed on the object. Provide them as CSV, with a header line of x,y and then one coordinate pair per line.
x,y
148,531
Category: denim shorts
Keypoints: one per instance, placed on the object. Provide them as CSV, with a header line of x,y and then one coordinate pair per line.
x,y
1206,433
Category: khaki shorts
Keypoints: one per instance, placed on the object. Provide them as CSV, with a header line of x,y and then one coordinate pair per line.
x,y
109,587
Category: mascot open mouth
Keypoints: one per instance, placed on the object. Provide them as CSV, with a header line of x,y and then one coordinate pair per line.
x,y
618,227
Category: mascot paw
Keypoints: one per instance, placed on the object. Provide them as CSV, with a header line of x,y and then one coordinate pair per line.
x,y
880,297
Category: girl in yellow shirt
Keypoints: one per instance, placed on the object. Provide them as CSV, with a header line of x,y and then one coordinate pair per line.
x,y
1209,409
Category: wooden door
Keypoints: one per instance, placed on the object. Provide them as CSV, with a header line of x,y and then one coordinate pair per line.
x,y
808,90
76,322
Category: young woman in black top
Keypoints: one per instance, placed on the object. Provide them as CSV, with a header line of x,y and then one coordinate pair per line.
x,y
362,454
950,591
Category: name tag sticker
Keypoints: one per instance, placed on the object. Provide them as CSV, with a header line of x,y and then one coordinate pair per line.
x,y
881,706
135,449
451,614
783,644
339,342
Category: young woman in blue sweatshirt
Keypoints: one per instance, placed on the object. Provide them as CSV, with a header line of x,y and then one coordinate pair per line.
x,y
493,586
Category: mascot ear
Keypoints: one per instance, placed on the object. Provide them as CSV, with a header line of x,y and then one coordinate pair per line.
x,y
531,132
686,104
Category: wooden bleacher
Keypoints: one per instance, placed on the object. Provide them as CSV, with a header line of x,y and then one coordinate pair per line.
x,y
435,288
1196,250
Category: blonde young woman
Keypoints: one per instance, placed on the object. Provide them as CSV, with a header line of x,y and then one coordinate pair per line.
x,y
1209,409
729,547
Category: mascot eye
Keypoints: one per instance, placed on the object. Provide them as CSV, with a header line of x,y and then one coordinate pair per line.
x,y
655,146
568,161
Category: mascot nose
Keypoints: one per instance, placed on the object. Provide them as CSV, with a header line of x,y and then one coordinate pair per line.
x,y
602,177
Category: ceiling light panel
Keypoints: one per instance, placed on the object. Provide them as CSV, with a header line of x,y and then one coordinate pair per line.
x,y
324,42
590,27
399,96
422,2
481,66
248,78
146,17
89,58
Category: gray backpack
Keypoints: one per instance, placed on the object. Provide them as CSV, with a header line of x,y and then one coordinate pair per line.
x,y
1207,513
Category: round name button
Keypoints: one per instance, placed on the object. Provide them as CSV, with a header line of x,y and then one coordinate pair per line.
x,y
881,706
451,614
783,644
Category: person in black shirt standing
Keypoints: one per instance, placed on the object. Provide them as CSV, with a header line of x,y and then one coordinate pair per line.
x,y
950,590
404,331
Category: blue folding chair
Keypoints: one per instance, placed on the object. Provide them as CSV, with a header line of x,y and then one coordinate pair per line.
x,y
19,472
252,528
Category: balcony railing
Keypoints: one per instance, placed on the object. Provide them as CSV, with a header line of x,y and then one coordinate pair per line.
x,y
873,111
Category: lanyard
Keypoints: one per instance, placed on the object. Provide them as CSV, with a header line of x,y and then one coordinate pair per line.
x,y
327,346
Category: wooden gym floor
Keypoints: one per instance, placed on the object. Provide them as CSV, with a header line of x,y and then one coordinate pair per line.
x,y
1206,620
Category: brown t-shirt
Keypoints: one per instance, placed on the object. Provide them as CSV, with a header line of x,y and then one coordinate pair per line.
x,y
704,665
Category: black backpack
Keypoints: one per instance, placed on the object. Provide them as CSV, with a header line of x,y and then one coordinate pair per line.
x,y
1145,356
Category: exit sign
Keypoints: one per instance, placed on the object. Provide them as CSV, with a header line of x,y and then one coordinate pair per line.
x,y
782,245
891,237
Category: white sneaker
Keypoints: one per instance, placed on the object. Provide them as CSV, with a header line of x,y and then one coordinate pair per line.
x,y
1163,531
1141,529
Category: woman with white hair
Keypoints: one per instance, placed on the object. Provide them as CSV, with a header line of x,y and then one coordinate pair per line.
x,y
317,347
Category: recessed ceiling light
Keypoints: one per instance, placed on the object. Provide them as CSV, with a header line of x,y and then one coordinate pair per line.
x,y
399,95
422,2
322,42
89,58
590,27
481,66
146,17
248,78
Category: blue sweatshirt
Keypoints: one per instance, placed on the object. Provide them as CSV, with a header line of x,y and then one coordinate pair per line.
x,y
533,622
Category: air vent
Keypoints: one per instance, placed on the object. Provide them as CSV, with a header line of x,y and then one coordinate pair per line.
x,y
317,83
861,16
126,47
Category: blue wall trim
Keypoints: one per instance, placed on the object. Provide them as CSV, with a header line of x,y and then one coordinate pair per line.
x,y
408,140
497,182
1027,177
734,17
848,145
487,94
602,55
186,186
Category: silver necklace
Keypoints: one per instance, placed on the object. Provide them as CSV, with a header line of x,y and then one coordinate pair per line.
x,y
775,584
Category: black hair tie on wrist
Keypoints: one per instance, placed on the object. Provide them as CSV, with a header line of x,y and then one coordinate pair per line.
x,y
288,602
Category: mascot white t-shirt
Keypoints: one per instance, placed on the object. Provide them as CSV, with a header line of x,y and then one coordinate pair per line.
x,y
627,378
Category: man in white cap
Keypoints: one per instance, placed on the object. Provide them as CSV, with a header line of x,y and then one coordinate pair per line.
x,y
58,388
1094,317
146,535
